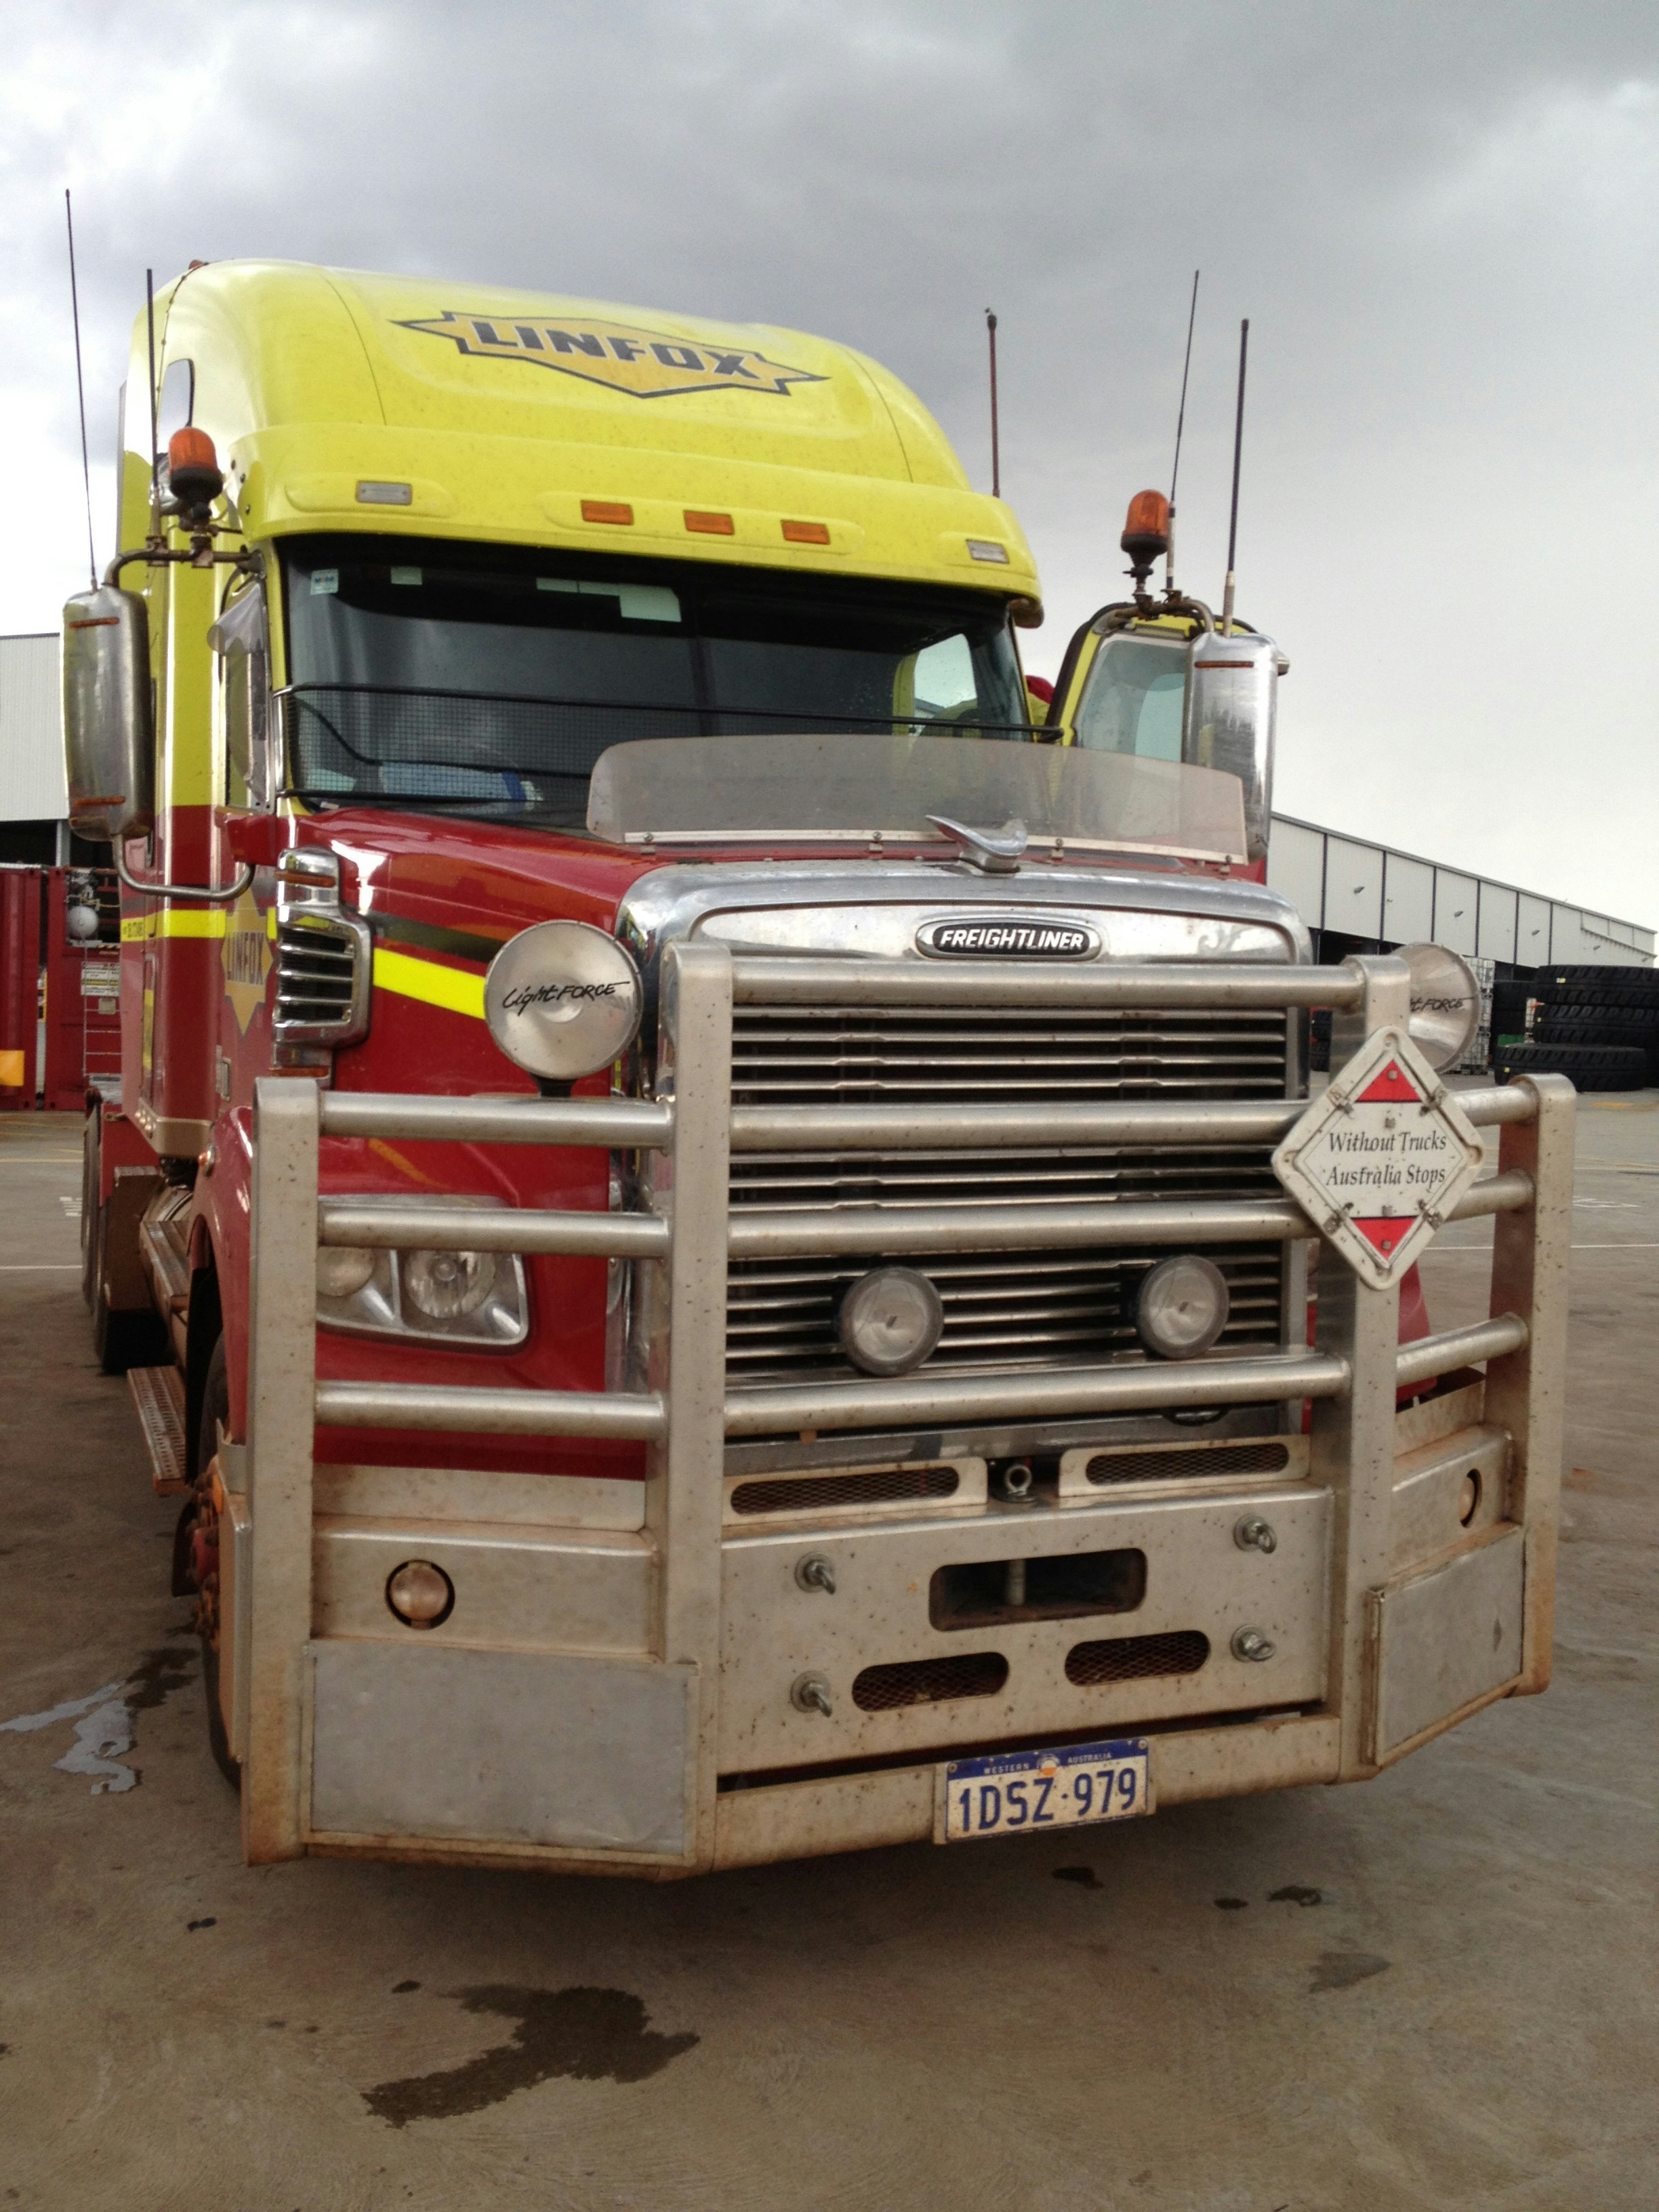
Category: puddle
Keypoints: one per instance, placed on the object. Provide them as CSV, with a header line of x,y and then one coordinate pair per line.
x,y
103,1718
576,2034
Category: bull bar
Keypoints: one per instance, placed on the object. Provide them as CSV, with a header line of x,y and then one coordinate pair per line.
x,y
687,1232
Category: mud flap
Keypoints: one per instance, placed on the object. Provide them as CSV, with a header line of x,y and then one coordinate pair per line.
x,y
1444,1638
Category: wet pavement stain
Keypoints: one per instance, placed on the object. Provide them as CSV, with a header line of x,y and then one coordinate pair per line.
x,y
577,2034
1296,1893
171,1667
1231,1904
1340,1970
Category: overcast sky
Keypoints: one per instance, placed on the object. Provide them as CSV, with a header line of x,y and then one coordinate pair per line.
x,y
1442,221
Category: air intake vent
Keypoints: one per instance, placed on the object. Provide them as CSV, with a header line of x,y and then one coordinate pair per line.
x,y
1168,1466
323,975
930,1681
1136,1658
894,1485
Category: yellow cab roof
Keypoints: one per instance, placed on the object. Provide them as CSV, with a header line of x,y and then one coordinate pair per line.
x,y
339,400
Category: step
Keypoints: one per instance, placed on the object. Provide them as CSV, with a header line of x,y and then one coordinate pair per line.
x,y
158,1396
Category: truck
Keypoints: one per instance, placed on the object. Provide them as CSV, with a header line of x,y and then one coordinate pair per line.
x,y
693,1214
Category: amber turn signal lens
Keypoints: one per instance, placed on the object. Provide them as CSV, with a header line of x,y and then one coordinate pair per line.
x,y
807,533
710,526
607,510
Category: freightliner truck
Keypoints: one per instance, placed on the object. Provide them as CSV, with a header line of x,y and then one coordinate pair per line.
x,y
692,1212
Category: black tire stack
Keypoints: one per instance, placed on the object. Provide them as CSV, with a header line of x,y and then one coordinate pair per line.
x,y
1598,1025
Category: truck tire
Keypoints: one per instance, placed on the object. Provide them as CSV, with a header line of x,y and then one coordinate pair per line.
x,y
119,1339
1594,998
1577,977
200,1516
90,1175
1576,1026
1588,1066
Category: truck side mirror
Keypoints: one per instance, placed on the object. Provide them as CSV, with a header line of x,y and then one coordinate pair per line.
x,y
1232,701
108,732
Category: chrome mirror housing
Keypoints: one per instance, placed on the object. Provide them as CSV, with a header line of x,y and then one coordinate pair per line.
x,y
1231,705
108,727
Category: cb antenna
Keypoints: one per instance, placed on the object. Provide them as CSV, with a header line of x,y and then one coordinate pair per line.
x,y
1238,448
1181,424
996,454
80,389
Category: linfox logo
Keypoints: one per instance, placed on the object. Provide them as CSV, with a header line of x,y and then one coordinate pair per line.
x,y
980,936
646,364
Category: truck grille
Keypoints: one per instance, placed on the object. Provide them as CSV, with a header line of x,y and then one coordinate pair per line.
x,y
1019,1309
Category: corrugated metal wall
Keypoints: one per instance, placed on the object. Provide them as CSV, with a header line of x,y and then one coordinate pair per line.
x,y
1339,883
32,786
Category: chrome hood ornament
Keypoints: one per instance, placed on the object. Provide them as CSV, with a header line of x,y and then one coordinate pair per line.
x,y
993,852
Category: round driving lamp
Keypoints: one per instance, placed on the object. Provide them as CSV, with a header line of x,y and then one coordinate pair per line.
x,y
448,1285
891,1321
421,1595
562,999
1182,1307
1445,1003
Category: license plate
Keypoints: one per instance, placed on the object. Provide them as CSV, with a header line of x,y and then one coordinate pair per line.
x,y
1015,1792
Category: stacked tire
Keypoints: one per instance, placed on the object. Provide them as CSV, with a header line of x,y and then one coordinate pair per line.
x,y
1598,1025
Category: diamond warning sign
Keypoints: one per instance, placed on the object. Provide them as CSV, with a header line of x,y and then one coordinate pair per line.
x,y
1381,1158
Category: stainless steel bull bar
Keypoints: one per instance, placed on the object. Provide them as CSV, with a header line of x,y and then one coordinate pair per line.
x,y
685,1237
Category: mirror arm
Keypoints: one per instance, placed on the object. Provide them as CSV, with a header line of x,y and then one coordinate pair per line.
x,y
233,891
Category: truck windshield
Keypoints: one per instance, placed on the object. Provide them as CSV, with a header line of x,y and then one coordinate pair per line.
x,y
481,679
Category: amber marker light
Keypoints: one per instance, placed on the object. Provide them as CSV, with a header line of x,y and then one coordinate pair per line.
x,y
709,526
607,510
807,533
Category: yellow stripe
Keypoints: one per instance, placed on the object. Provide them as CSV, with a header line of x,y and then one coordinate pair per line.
x,y
433,985
172,921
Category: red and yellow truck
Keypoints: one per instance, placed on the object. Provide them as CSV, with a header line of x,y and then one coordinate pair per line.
x,y
693,1211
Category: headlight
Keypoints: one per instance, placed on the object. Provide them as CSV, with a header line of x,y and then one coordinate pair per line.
x,y
562,999
468,1300
891,1321
1182,1307
342,1269
1445,1003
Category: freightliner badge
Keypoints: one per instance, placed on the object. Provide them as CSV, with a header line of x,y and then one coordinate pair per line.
x,y
1380,1160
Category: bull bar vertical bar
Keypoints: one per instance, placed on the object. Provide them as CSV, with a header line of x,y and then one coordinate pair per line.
x,y
1525,1388
1354,1435
685,1491
282,1391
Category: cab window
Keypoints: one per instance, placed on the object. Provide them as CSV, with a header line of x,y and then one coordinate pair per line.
x,y
1133,698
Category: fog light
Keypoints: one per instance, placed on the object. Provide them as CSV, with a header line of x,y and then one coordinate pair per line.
x,y
891,1321
342,1269
420,1594
446,1285
1182,1307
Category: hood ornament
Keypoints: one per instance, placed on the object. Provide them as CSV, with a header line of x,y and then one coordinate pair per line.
x,y
993,852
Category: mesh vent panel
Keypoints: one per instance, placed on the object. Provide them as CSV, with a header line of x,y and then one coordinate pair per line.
x,y
930,1681
888,1485
1163,1466
1137,1658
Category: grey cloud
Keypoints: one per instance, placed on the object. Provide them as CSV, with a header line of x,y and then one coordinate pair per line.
x,y
1441,222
